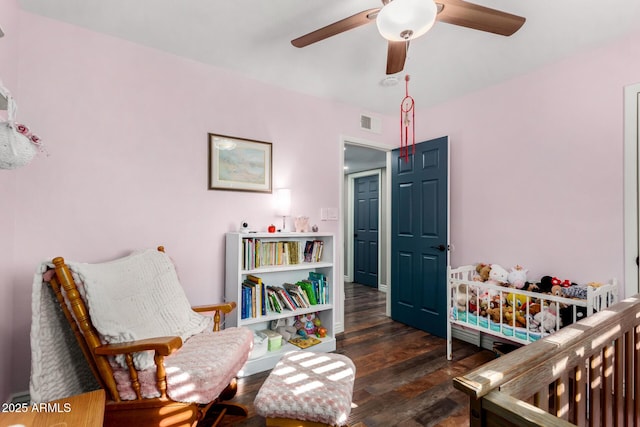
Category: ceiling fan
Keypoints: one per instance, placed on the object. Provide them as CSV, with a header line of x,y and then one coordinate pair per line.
x,y
400,21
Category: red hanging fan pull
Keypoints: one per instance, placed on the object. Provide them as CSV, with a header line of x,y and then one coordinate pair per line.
x,y
407,123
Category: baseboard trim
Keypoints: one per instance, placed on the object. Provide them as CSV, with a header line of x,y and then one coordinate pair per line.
x,y
20,397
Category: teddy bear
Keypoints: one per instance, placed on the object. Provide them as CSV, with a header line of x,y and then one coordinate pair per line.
x,y
494,314
462,297
517,277
482,272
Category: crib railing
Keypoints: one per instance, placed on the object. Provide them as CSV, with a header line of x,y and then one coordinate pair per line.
x,y
584,374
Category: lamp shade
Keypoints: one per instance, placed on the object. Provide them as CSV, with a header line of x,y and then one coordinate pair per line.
x,y
401,20
283,202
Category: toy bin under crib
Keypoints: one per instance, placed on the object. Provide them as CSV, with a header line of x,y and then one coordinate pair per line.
x,y
516,315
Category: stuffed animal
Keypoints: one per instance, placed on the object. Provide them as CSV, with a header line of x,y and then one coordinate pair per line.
x,y
482,272
575,291
462,297
513,317
304,324
547,318
499,275
534,308
494,314
517,277
518,301
566,314
284,327
321,331
545,284
556,290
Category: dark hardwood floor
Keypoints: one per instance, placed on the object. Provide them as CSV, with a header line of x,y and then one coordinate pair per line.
x,y
403,377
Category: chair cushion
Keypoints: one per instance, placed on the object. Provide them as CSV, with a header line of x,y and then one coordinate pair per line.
x,y
197,372
308,386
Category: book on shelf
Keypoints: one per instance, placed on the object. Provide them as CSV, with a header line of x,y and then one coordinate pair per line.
x,y
313,250
257,253
297,295
309,291
245,305
286,298
320,286
254,298
274,301
261,300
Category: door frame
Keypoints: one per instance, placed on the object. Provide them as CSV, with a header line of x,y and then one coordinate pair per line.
x,y
631,188
350,263
346,240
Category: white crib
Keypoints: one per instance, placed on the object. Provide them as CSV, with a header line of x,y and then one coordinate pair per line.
x,y
469,301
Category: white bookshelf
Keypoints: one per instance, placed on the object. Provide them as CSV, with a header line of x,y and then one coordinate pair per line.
x,y
276,275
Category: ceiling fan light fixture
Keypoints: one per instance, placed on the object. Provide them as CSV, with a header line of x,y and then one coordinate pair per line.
x,y
401,20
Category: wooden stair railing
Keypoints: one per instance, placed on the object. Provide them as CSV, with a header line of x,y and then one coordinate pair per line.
x,y
585,374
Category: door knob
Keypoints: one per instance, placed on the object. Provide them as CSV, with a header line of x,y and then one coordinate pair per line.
x,y
441,248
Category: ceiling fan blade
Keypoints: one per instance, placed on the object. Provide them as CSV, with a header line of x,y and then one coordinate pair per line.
x,y
458,12
396,55
354,21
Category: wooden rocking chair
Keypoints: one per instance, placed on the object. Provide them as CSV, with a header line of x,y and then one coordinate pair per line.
x,y
141,411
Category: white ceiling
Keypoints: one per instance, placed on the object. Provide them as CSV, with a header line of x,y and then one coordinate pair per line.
x,y
252,38
358,158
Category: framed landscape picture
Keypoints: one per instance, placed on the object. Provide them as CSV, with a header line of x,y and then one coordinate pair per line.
x,y
239,164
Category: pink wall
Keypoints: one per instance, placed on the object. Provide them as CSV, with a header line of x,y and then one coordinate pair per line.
x,y
536,167
127,128
536,164
8,75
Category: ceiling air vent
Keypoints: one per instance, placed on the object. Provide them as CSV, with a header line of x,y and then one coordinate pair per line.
x,y
370,124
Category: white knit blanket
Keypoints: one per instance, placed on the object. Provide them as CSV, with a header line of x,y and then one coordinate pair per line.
x,y
135,297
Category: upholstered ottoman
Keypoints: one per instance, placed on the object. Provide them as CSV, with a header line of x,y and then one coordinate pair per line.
x,y
306,386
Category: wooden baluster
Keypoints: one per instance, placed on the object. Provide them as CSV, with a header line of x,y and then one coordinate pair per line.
x,y
636,366
161,375
629,369
541,398
595,383
133,374
607,385
562,396
579,394
619,371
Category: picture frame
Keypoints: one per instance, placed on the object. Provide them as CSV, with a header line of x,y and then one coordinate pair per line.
x,y
239,164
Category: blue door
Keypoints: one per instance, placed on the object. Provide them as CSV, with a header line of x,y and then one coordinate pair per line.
x,y
365,226
419,237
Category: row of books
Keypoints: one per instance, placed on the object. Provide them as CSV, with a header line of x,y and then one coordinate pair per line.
x,y
257,253
260,299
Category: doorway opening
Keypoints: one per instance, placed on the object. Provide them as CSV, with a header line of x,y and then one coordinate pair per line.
x,y
367,159
631,188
